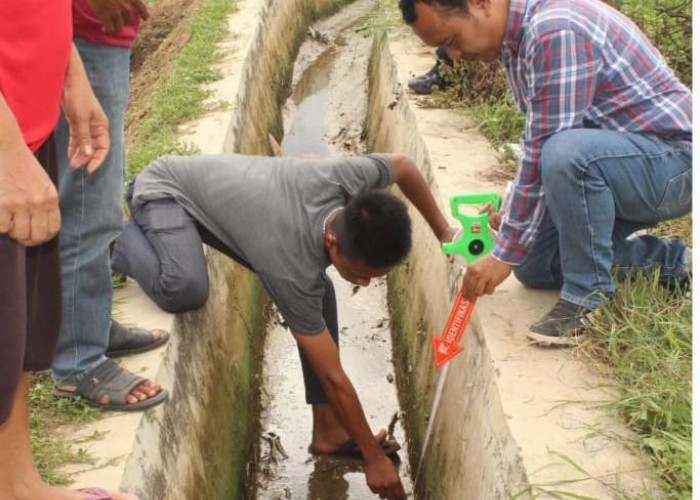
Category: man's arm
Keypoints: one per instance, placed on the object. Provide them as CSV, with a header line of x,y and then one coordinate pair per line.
x,y
323,355
29,210
561,90
412,184
89,128
563,67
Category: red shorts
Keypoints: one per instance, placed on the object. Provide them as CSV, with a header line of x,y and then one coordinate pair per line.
x,y
30,302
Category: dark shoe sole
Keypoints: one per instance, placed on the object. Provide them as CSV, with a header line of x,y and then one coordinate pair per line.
x,y
149,403
552,341
120,353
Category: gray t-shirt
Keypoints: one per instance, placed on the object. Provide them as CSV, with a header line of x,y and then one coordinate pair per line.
x,y
270,212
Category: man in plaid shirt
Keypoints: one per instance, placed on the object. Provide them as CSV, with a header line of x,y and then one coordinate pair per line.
x,y
606,149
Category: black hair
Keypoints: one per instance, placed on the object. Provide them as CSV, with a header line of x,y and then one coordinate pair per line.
x,y
408,7
374,227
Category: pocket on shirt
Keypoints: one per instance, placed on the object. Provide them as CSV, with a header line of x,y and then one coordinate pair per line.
x,y
677,198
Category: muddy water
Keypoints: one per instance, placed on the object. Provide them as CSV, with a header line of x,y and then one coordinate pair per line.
x,y
324,116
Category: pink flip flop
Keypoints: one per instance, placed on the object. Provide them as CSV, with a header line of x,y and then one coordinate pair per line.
x,y
100,494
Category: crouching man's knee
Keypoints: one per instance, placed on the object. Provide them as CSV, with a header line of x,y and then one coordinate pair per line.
x,y
183,294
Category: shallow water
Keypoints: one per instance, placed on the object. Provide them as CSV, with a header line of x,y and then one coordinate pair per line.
x,y
366,356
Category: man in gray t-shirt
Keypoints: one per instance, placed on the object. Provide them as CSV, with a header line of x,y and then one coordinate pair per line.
x,y
287,219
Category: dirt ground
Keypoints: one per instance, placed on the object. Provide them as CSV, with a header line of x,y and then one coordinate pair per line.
x,y
160,40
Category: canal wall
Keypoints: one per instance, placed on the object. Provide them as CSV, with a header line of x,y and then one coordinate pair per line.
x,y
470,453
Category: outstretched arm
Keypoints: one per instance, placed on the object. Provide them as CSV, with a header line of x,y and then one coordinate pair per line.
x,y
413,186
323,355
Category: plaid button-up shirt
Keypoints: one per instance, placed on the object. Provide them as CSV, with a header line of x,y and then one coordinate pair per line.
x,y
579,64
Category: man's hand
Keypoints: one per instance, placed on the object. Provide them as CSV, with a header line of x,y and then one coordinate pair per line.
x,y
494,216
115,14
494,220
448,235
383,479
324,358
483,277
29,210
87,123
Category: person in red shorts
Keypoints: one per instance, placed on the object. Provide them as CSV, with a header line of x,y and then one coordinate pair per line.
x,y
39,70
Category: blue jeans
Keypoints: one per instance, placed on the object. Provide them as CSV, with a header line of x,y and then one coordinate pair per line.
x,y
91,210
600,187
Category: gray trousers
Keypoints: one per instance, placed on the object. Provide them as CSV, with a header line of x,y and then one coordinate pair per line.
x,y
161,248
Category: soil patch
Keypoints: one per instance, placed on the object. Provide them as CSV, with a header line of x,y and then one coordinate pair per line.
x,y
160,40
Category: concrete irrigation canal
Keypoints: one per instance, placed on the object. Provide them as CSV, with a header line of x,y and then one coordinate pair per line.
x,y
489,425
325,116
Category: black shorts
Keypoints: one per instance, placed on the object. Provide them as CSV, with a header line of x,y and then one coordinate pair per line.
x,y
30,302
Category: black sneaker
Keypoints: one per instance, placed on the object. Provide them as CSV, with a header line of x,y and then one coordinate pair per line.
x,y
129,191
678,288
423,84
561,326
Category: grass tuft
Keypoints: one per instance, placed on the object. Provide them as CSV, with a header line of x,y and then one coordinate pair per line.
x,y
47,414
385,16
643,337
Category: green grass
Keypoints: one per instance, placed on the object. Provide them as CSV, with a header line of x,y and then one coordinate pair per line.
x,y
47,414
385,16
643,338
498,120
676,228
180,96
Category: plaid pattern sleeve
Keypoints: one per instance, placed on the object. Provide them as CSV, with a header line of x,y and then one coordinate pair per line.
x,y
560,71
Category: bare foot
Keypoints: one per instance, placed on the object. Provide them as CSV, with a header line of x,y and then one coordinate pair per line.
x,y
329,435
155,334
328,447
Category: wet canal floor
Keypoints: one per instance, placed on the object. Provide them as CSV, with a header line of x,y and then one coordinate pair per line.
x,y
324,116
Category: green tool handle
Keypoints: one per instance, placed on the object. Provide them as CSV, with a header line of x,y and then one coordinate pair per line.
x,y
469,225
